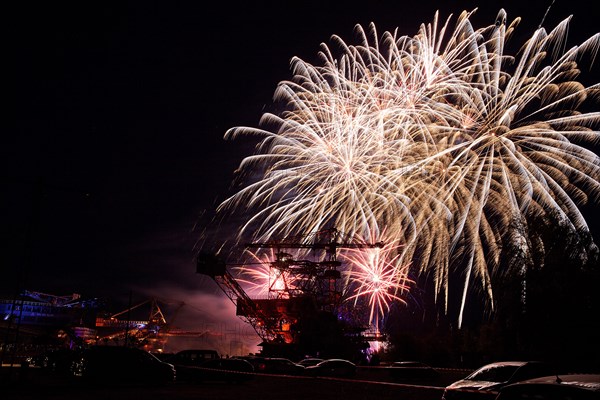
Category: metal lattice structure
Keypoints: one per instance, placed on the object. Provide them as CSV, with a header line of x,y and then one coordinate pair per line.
x,y
314,289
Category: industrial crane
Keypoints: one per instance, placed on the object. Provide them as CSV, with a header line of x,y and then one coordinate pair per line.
x,y
316,279
314,289
152,333
247,309
74,300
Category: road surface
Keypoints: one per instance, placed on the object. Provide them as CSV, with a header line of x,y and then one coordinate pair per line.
x,y
369,383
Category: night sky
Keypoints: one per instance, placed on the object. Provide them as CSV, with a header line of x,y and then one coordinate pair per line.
x,y
117,156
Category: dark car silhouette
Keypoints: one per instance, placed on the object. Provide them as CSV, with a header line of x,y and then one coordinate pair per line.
x,y
554,387
112,364
307,362
213,369
335,367
226,369
274,365
192,357
485,382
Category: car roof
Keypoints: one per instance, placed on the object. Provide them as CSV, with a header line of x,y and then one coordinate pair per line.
x,y
587,381
511,363
499,364
336,360
226,361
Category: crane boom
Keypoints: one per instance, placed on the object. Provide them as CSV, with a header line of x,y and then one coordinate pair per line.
x,y
329,240
246,308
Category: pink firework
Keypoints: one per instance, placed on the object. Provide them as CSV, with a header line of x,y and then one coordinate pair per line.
x,y
263,279
378,275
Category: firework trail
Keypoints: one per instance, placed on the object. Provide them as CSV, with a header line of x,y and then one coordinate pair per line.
x,y
443,139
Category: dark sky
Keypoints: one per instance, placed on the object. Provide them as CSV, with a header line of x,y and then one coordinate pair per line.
x,y
117,150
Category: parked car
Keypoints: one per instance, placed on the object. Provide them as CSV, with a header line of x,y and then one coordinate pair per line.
x,y
219,369
256,361
485,382
274,365
192,357
187,363
412,371
278,365
335,367
554,387
307,362
112,364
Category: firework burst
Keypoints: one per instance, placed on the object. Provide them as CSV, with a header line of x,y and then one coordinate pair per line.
x,y
375,274
262,279
443,139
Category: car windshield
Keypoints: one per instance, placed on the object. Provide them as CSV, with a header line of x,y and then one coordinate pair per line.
x,y
496,373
